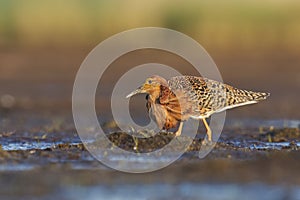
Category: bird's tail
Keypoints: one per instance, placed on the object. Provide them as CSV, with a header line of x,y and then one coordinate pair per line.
x,y
237,96
258,96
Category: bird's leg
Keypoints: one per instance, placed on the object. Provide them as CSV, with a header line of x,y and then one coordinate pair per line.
x,y
178,132
209,133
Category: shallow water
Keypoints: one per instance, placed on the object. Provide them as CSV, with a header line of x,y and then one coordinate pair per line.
x,y
17,167
183,191
253,145
15,143
23,146
258,145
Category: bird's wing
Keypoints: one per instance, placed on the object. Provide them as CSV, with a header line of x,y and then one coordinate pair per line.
x,y
208,96
196,94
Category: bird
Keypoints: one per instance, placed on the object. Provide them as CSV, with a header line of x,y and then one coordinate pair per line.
x,y
171,102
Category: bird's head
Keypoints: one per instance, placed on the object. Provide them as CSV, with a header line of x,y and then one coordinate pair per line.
x,y
151,86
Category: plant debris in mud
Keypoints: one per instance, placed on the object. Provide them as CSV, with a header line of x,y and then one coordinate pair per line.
x,y
281,135
141,144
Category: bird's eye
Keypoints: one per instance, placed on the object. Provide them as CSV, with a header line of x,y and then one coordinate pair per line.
x,y
149,81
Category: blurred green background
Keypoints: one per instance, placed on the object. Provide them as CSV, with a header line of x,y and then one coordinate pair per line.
x,y
222,24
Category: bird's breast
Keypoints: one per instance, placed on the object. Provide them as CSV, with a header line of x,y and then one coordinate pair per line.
x,y
160,114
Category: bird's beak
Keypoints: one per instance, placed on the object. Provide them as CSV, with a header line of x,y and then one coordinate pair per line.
x,y
137,91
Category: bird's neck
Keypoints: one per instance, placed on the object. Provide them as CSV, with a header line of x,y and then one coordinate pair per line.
x,y
154,94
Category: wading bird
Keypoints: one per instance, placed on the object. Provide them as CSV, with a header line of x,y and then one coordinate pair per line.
x,y
171,102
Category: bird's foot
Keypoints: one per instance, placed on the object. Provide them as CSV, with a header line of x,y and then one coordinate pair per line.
x,y
163,131
207,142
206,147
177,134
